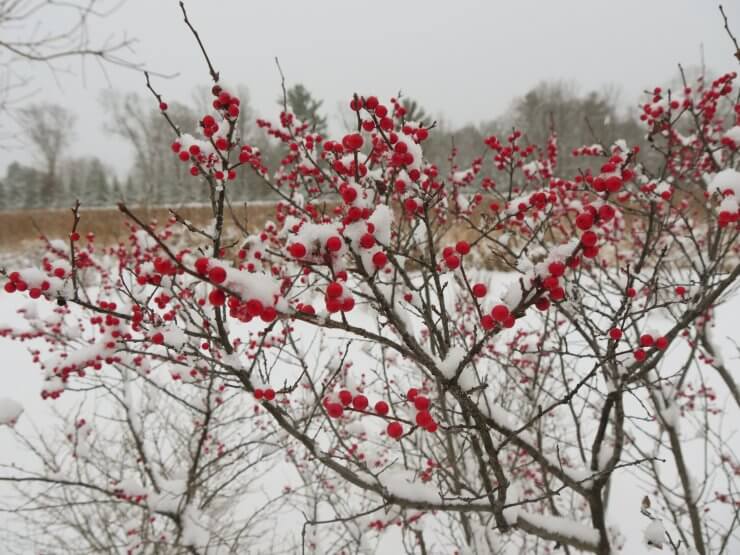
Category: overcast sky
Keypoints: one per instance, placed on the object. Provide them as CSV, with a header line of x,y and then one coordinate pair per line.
x,y
464,59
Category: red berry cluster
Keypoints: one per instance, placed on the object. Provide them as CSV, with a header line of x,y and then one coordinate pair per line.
x,y
35,287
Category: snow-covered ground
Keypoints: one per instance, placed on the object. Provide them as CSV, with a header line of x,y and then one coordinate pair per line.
x,y
21,381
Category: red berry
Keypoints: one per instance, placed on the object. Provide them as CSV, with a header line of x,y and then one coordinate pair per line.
x,y
452,262
589,239
217,297
360,402
395,430
423,418
590,252
480,290
646,340
556,269
462,247
201,265
333,305
615,334
367,241
217,274
382,408
613,183
380,259
412,393
550,283
254,307
557,294
584,221
500,312
269,394
297,250
606,212
334,290
268,314
333,243
345,397
335,410
661,343
421,402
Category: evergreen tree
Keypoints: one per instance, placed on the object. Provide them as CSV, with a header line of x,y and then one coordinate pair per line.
x,y
116,190
306,108
96,190
12,197
27,184
414,111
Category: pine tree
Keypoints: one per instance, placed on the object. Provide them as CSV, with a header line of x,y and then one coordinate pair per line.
x,y
414,111
95,188
306,108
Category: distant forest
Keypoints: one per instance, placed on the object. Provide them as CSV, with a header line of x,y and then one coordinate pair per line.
x,y
157,177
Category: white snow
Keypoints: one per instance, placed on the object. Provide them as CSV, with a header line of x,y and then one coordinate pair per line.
x,y
449,365
734,134
10,411
654,534
561,526
382,219
726,179
405,484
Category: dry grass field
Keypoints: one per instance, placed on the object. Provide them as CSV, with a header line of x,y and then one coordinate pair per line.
x,y
22,229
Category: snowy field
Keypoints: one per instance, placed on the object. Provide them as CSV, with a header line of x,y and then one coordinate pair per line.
x,y
22,382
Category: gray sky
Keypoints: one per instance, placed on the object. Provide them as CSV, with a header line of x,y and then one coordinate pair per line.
x,y
465,59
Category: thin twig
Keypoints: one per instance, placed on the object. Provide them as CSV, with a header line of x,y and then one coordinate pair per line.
x,y
212,71
729,32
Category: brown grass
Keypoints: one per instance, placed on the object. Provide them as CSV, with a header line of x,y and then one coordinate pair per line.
x,y
22,229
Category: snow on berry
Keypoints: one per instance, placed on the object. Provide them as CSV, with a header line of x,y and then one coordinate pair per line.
x,y
10,411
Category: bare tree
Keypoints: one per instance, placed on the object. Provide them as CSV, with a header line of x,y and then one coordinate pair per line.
x,y
49,128
155,178
48,33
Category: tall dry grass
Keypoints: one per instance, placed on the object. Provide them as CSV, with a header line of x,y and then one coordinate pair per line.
x,y
22,229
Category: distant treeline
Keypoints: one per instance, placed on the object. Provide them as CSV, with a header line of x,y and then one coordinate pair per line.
x,y
157,177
